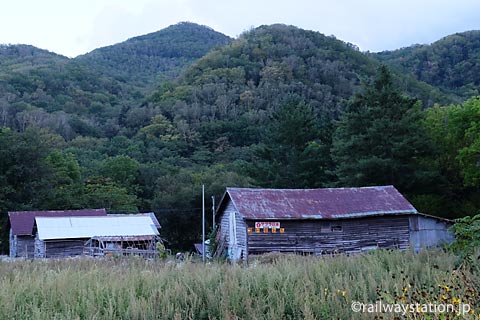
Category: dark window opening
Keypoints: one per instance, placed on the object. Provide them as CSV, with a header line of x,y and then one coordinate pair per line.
x,y
336,228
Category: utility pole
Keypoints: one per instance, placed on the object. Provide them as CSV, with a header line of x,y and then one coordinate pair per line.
x,y
203,222
213,211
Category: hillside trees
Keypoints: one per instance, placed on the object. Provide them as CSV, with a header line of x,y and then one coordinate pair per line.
x,y
24,173
65,181
456,135
380,140
450,63
293,154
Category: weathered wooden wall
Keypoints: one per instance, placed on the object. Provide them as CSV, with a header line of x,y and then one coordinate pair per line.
x,y
12,241
39,247
23,246
316,236
224,225
64,248
429,232
240,229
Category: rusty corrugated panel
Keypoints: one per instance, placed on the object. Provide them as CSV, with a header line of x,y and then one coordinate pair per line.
x,y
329,203
129,238
22,221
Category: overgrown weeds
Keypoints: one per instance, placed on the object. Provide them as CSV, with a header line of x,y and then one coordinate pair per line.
x,y
280,287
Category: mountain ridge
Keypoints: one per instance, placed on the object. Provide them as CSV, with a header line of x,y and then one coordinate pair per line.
x,y
163,52
94,94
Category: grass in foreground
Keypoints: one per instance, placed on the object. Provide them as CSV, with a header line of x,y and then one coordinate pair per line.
x,y
271,287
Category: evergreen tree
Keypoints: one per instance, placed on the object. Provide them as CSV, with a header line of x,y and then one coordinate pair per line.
x,y
379,140
293,155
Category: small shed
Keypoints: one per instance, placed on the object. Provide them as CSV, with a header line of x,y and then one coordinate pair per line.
x,y
96,236
22,227
319,221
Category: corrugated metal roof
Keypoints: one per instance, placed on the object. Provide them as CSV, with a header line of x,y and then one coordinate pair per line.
x,y
22,221
86,227
150,214
329,203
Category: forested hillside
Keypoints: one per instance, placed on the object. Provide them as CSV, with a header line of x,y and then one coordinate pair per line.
x,y
451,64
90,94
42,89
162,55
278,107
239,85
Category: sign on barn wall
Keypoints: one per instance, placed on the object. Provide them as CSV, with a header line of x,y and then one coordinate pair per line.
x,y
267,225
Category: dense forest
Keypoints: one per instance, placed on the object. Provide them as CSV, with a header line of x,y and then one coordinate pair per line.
x,y
451,63
140,125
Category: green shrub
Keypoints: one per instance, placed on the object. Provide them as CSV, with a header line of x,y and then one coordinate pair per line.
x,y
467,238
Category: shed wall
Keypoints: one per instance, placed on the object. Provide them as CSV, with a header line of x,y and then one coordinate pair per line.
x,y
12,244
25,246
429,232
241,230
64,248
225,223
317,237
233,232
39,247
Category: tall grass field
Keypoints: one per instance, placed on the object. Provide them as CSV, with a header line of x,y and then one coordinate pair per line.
x,y
270,287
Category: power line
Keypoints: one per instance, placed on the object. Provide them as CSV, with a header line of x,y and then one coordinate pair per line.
x,y
163,210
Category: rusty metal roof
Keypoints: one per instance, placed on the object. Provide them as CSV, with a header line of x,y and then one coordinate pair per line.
x,y
22,221
122,238
329,203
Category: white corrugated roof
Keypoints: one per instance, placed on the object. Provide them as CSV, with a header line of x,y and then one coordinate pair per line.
x,y
86,227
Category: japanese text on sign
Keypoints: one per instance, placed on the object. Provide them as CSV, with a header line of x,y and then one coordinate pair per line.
x,y
267,224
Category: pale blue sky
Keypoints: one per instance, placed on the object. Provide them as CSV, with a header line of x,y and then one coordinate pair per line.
x,y
73,27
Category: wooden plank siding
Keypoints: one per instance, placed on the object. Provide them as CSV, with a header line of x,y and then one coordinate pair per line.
x,y
39,247
241,229
13,244
317,237
24,246
224,222
64,248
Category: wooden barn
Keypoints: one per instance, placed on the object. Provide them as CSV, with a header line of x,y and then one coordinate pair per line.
x,y
319,221
59,237
23,230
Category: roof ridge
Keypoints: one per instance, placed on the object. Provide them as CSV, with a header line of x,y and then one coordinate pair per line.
x,y
307,189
